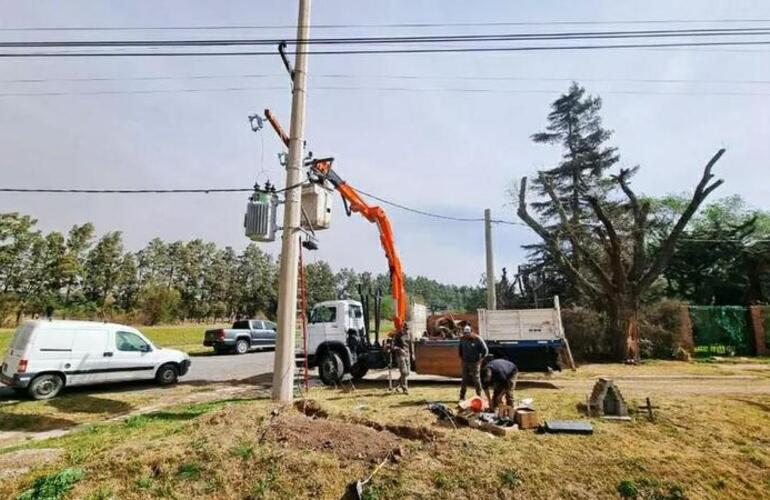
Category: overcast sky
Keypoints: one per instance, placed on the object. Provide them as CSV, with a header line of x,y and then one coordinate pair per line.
x,y
453,152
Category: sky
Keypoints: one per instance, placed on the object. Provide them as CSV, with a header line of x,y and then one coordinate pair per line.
x,y
426,141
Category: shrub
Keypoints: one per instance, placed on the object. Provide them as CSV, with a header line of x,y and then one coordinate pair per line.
x,y
587,334
659,327
53,486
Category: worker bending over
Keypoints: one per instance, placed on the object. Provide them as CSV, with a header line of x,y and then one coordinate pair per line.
x,y
400,353
473,350
501,374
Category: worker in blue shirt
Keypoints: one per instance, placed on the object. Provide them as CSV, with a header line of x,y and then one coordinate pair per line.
x,y
501,375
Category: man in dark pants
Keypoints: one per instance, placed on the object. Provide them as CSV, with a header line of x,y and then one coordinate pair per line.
x,y
501,374
473,350
400,352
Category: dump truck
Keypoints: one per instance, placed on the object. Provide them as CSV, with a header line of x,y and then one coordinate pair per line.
x,y
339,344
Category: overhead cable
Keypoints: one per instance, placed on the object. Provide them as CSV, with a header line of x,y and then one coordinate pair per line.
x,y
392,25
444,50
500,37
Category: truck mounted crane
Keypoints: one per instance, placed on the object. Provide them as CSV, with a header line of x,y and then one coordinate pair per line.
x,y
322,168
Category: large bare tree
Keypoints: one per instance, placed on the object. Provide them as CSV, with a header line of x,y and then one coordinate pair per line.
x,y
616,265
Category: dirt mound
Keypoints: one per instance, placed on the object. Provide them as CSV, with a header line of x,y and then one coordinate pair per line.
x,y
346,441
311,408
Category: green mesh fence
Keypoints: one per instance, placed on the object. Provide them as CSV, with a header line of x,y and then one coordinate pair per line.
x,y
721,329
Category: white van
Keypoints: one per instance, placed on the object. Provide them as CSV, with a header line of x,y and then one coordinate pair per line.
x,y
45,356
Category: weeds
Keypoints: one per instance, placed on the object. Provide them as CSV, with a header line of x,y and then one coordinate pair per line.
x,y
189,470
144,483
510,478
103,493
442,481
646,487
263,485
53,486
136,421
243,450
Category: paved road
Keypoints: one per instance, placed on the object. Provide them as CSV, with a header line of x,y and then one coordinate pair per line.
x,y
221,367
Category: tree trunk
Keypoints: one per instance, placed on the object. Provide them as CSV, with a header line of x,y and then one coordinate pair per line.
x,y
623,329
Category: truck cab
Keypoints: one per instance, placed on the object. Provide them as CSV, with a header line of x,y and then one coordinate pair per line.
x,y
337,340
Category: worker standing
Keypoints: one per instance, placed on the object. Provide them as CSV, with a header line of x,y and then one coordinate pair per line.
x,y
473,350
501,375
400,351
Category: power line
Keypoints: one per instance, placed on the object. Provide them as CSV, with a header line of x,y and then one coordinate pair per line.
x,y
445,50
385,77
390,25
432,214
394,204
467,90
578,35
241,190
501,37
138,191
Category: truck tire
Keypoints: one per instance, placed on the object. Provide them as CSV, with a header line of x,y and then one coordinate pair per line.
x,y
241,346
358,371
331,368
167,374
45,386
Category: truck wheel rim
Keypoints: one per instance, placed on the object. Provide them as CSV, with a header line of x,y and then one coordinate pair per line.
x,y
242,347
330,368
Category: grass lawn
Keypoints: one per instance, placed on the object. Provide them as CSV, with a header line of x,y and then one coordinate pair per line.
x,y
188,338
709,440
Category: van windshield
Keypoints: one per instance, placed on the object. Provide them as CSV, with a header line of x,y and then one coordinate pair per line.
x,y
21,337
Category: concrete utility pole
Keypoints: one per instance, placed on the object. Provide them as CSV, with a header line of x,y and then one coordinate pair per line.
x,y
491,292
283,367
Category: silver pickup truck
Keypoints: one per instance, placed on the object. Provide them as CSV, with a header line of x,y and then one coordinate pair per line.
x,y
244,335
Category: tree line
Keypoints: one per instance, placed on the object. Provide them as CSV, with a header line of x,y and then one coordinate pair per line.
x,y
80,275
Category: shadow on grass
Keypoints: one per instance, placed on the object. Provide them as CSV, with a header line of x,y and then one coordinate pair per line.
x,y
84,403
193,411
755,404
32,423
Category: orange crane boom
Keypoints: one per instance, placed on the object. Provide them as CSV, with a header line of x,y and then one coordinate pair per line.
x,y
374,214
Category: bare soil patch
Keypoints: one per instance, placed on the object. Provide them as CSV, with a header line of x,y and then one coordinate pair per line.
x,y
19,462
347,441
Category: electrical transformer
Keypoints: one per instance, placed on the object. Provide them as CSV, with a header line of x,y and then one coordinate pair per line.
x,y
260,220
316,206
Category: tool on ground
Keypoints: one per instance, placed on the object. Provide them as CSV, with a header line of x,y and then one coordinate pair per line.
x,y
442,412
648,408
356,490
567,427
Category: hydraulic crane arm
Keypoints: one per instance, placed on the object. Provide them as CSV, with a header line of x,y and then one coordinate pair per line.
x,y
374,214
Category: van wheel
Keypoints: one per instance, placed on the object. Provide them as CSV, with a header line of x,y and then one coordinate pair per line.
x,y
45,386
241,347
167,375
331,369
